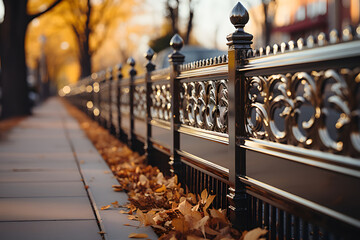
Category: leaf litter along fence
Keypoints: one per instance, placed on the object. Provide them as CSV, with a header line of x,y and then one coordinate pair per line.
x,y
274,132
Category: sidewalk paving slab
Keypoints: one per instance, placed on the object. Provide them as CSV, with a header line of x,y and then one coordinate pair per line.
x,y
42,189
49,230
41,176
45,163
45,208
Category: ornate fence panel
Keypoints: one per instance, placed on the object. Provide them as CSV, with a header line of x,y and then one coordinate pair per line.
x,y
274,132
202,126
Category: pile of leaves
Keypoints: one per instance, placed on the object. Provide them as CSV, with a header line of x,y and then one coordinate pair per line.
x,y
156,201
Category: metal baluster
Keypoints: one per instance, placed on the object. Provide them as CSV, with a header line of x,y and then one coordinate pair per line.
x,y
266,215
305,230
296,228
280,225
259,213
273,223
288,226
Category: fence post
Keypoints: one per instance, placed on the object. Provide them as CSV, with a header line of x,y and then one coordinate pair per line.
x,y
109,78
132,72
238,44
118,102
149,68
175,59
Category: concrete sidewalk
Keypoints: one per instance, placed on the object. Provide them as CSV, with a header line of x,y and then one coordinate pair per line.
x,y
45,164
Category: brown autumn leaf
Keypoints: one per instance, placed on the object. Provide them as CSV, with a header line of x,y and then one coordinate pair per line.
x,y
201,225
115,204
204,195
209,200
105,207
161,189
255,234
132,217
192,237
143,179
218,214
145,219
180,224
185,208
138,235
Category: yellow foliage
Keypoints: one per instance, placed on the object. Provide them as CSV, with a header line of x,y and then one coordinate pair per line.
x,y
114,35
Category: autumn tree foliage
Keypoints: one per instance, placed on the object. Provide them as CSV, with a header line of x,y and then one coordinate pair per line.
x,y
91,22
96,34
15,100
75,31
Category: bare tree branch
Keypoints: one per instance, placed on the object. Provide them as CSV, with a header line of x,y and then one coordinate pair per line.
x,y
31,17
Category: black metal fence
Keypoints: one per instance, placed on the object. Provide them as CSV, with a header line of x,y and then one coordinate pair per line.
x,y
273,132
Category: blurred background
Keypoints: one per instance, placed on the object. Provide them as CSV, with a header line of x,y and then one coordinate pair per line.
x,y
65,40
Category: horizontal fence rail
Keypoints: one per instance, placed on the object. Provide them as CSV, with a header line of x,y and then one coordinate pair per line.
x,y
274,132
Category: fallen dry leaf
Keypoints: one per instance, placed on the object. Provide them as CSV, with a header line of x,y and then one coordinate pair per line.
x,y
138,235
255,234
115,204
161,189
105,207
180,224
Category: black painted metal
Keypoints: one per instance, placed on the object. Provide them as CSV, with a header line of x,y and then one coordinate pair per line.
x,y
149,68
239,43
132,72
271,178
175,59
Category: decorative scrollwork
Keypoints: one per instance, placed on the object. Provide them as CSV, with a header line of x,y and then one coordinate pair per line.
x,y
140,102
161,102
318,110
205,105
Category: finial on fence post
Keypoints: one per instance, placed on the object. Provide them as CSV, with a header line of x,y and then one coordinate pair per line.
x,y
176,57
149,55
131,62
239,45
118,68
239,39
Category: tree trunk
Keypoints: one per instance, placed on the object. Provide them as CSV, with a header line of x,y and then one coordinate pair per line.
x,y
12,37
189,27
85,64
